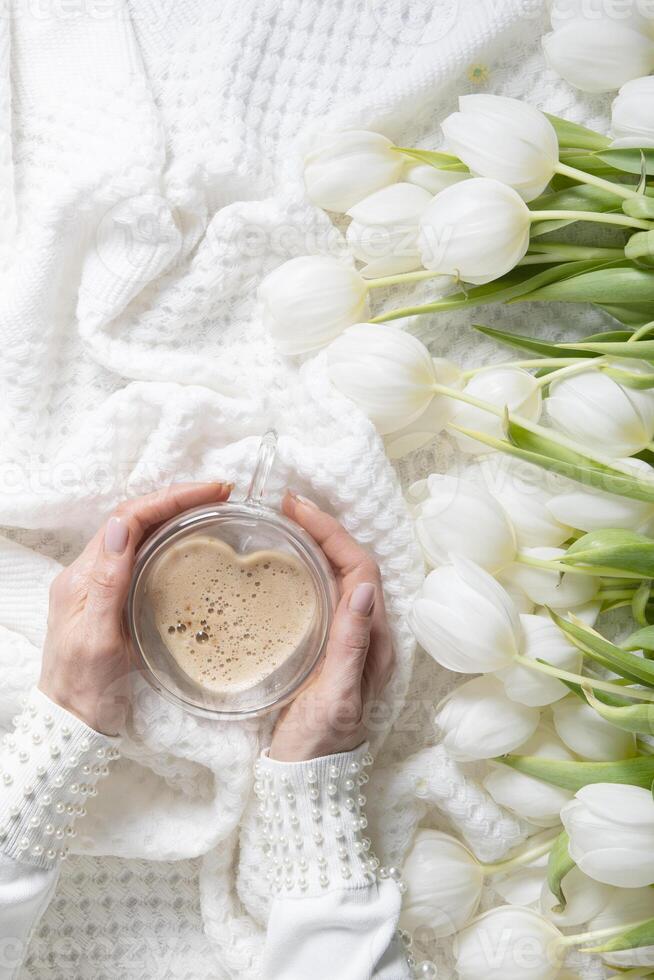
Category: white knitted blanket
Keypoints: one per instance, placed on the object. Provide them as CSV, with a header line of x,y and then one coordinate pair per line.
x,y
150,175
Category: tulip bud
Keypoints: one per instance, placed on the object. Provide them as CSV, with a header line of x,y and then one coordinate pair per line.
x,y
478,721
384,229
531,798
310,300
387,372
476,231
625,905
551,588
598,56
444,882
348,166
602,414
509,387
584,897
465,620
432,179
588,734
454,517
611,830
429,423
509,943
530,148
632,114
524,491
542,640
593,510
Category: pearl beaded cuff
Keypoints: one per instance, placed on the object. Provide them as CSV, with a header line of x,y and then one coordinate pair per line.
x,y
48,766
312,823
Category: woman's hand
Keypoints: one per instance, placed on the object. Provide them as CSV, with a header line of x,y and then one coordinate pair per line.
x,y
329,716
86,658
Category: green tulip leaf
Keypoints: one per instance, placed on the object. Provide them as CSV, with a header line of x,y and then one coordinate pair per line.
x,y
611,481
629,161
636,718
573,775
435,159
640,640
530,344
603,696
612,336
619,549
618,283
642,350
632,938
628,378
607,654
630,314
558,866
570,134
639,603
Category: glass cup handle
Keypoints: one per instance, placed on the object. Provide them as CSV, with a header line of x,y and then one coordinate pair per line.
x,y
265,459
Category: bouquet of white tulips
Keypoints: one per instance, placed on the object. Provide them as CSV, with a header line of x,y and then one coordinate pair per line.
x,y
547,523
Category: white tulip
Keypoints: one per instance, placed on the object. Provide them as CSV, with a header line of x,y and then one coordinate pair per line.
x,y
591,510
523,491
386,371
551,588
611,829
624,906
465,620
542,640
478,721
429,423
522,886
632,114
505,139
598,56
310,300
632,13
431,178
531,798
455,517
504,387
509,943
383,232
476,231
600,413
585,898
345,167
444,882
588,734
520,599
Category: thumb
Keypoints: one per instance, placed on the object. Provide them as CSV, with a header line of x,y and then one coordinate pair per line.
x,y
349,640
111,574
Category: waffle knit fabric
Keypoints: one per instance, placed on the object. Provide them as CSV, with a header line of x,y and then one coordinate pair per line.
x,y
150,176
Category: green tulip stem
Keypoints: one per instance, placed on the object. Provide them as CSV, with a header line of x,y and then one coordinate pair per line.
x,y
402,278
606,185
614,594
641,332
591,937
578,365
580,679
536,362
607,219
551,565
519,860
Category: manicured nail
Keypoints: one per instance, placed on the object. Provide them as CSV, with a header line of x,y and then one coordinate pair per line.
x,y
363,599
115,536
303,500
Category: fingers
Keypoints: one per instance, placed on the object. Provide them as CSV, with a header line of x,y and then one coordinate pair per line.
x,y
345,554
111,570
349,642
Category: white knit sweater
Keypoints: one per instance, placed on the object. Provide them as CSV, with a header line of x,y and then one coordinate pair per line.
x,y
335,909
150,175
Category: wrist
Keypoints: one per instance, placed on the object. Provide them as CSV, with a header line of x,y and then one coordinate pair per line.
x,y
49,765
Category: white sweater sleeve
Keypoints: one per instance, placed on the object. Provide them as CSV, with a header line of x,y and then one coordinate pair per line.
x,y
48,766
335,911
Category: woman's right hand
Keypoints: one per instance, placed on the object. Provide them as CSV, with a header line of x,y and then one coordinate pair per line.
x,y
86,658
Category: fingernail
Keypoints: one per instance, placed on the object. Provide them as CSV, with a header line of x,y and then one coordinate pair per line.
x,y
363,598
115,536
303,500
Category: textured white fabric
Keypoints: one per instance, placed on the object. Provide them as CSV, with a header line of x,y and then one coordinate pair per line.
x,y
150,175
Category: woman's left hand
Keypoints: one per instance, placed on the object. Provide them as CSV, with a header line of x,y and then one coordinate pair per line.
x,y
86,658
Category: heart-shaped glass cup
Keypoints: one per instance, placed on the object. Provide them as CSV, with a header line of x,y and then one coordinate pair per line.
x,y
247,532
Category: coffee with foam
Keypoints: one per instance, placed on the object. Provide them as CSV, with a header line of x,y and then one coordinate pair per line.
x,y
230,620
